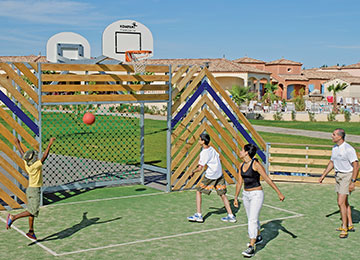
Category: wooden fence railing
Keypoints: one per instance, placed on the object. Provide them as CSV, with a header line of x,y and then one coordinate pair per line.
x,y
299,162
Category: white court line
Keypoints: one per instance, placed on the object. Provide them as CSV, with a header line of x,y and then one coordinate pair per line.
x,y
113,198
296,215
38,243
168,237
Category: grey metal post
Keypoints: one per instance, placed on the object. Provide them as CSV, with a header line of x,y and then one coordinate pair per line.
x,y
168,135
39,121
142,142
268,145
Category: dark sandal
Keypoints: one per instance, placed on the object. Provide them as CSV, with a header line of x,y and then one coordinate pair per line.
x,y
343,234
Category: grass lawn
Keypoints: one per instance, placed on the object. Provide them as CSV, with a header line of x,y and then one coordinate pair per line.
x,y
350,127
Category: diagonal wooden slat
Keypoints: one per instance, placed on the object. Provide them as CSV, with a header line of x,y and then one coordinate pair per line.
x,y
34,65
11,170
226,165
24,70
236,110
6,133
6,83
19,129
1,207
12,187
180,182
187,91
224,121
8,200
185,135
186,149
178,74
187,78
18,80
190,116
12,155
103,87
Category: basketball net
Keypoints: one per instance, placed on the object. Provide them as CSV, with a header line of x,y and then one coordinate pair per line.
x,y
138,59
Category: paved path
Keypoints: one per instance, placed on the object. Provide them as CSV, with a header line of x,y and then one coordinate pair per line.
x,y
307,133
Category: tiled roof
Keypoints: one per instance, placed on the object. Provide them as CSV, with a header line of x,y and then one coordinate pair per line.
x,y
215,65
283,62
335,67
352,66
29,58
350,80
249,60
293,77
311,74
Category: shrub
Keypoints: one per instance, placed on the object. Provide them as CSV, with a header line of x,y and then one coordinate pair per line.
x,y
331,117
293,115
278,116
311,116
347,115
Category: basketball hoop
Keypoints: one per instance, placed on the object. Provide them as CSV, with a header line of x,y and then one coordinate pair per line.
x,y
138,60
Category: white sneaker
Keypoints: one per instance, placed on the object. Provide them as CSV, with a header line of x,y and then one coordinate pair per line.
x,y
196,218
229,219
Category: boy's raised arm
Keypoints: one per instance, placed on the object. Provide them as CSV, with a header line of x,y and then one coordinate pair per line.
x,y
46,153
18,146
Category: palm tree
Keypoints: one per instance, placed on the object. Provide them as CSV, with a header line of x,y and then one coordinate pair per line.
x,y
241,94
269,95
335,89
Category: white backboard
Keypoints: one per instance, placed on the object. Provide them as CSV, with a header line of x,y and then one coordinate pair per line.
x,y
126,35
67,45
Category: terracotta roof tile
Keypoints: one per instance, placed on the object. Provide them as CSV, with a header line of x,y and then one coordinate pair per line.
x,y
311,74
249,60
215,65
293,77
283,62
352,66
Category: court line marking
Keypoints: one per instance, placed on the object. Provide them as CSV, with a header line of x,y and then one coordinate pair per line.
x,y
170,236
38,243
296,215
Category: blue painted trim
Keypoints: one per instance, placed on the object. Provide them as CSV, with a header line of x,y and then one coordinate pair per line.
x,y
188,104
233,119
17,111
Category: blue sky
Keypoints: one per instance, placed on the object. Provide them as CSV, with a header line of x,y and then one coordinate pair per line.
x,y
314,32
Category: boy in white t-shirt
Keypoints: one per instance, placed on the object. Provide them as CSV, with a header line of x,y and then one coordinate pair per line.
x,y
214,178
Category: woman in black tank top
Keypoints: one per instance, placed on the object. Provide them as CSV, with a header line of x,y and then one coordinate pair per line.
x,y
253,196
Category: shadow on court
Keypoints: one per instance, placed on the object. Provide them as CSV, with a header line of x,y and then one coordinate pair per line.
x,y
84,223
271,231
220,211
354,213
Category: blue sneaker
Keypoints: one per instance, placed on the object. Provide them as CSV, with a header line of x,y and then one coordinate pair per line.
x,y
229,219
31,235
196,218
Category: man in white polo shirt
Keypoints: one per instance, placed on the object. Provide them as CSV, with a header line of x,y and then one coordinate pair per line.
x,y
346,165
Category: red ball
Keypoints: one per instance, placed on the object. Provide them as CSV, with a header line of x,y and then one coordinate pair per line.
x,y
88,118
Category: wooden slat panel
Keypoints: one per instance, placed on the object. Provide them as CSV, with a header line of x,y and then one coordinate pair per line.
x,y
277,168
27,73
299,151
19,129
8,200
224,121
187,91
12,155
298,160
6,133
18,80
107,97
103,77
224,135
185,163
103,87
186,175
185,135
2,208
301,179
187,78
191,182
185,121
11,170
34,65
101,67
224,148
185,149
178,74
236,110
188,117
12,187
18,96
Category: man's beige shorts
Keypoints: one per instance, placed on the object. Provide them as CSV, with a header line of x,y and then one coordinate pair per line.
x,y
342,182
